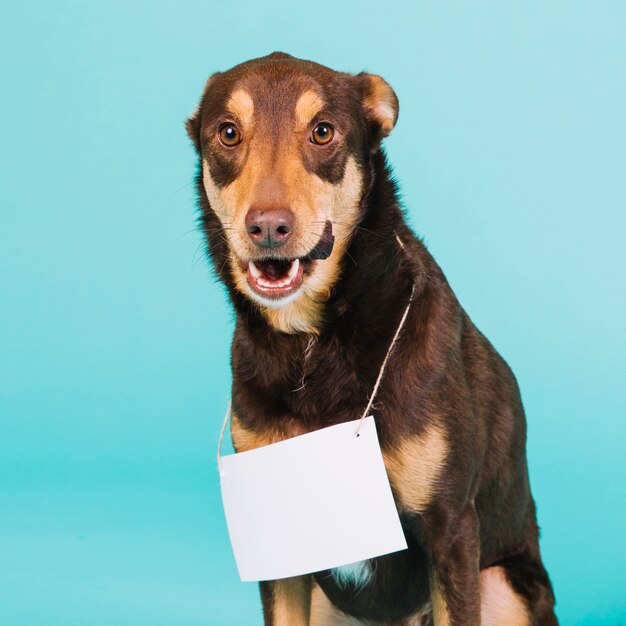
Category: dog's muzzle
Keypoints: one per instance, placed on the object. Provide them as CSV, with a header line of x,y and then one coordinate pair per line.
x,y
275,278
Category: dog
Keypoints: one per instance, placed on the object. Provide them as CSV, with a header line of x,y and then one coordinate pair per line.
x,y
304,227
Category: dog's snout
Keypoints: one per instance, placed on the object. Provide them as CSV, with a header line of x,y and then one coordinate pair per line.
x,y
269,228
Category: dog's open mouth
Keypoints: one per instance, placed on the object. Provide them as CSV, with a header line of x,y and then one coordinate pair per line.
x,y
276,278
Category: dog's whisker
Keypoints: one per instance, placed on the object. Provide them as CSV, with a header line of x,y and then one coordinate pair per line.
x,y
195,260
220,271
301,387
186,233
351,258
355,227
185,186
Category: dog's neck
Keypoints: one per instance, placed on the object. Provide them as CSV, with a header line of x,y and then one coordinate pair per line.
x,y
312,378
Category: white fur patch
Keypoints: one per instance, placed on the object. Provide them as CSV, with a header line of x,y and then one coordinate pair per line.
x,y
273,304
355,575
386,111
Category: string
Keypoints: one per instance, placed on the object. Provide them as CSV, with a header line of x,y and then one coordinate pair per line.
x,y
374,389
384,365
219,443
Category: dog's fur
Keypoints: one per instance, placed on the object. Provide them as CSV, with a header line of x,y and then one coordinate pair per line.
x,y
449,415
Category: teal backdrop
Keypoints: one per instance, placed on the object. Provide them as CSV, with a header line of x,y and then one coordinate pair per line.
x,y
114,337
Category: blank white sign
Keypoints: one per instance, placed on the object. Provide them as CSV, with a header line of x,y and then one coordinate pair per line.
x,y
310,503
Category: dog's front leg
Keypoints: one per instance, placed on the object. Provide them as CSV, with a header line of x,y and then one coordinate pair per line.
x,y
287,602
455,577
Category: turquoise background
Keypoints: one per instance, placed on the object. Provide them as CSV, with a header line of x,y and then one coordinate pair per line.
x,y
114,377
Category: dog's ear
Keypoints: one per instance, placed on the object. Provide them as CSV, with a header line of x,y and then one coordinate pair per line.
x,y
193,127
380,105
193,124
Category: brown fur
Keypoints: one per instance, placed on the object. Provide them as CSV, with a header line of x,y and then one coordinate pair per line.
x,y
448,412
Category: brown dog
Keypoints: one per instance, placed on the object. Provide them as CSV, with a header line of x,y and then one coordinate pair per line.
x,y
303,221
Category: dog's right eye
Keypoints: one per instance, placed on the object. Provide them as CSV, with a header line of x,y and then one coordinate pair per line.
x,y
229,135
322,134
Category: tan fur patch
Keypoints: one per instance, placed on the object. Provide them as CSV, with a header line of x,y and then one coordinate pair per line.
x,y
292,601
238,196
441,617
499,604
214,196
415,466
245,439
301,316
308,106
241,104
324,613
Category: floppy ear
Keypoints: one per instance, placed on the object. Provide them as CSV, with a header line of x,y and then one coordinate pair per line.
x,y
194,123
380,105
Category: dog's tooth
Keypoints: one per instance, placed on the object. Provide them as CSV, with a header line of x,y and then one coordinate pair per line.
x,y
293,270
254,270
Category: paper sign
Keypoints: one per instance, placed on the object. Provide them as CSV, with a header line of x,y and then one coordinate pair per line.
x,y
310,503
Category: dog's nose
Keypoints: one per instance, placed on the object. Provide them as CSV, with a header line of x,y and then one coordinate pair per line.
x,y
269,228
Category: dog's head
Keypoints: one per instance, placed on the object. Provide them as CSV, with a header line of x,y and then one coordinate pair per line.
x,y
284,147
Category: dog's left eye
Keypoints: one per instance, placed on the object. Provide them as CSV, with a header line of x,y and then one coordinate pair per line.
x,y
322,133
229,135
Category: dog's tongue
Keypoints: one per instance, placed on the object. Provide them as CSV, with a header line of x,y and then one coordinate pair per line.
x,y
274,269
325,246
